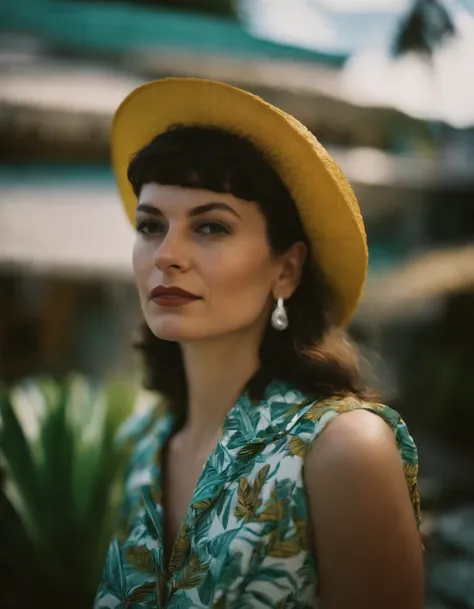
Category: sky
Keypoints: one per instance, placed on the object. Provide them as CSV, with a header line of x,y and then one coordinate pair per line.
x,y
365,29
339,26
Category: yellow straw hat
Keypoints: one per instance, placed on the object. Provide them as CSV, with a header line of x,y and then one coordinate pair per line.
x,y
325,201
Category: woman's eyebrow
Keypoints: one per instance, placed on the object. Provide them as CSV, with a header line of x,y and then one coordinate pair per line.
x,y
148,209
202,209
196,211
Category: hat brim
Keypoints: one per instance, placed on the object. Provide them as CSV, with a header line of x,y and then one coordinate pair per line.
x,y
325,201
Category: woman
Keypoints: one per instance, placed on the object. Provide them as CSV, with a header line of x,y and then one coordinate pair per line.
x,y
250,257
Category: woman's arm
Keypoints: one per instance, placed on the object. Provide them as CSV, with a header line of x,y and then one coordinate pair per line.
x,y
366,539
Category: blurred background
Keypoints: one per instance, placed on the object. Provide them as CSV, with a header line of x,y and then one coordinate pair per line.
x,y
388,88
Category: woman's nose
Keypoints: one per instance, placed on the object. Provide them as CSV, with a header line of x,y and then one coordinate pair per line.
x,y
171,252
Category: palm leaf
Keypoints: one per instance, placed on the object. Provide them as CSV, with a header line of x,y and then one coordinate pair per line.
x,y
427,25
61,486
118,577
284,549
297,447
142,593
180,549
192,574
222,542
259,482
263,599
152,514
21,483
141,558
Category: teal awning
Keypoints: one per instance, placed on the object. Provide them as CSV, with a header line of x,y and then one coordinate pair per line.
x,y
117,28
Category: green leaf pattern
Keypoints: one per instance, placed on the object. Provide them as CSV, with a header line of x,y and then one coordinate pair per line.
x,y
244,541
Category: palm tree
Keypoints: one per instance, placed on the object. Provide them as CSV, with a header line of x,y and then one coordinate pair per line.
x,y
426,25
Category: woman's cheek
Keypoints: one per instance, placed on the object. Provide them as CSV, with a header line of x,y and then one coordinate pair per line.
x,y
142,266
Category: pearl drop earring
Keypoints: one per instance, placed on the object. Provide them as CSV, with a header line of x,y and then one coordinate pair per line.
x,y
279,316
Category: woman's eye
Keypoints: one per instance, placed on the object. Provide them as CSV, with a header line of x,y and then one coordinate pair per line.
x,y
149,227
213,228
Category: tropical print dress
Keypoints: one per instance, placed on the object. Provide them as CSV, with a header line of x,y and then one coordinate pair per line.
x,y
244,541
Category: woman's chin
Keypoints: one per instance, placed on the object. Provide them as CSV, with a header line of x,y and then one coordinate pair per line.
x,y
173,332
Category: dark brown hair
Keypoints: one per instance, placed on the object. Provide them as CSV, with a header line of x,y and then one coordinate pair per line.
x,y
313,354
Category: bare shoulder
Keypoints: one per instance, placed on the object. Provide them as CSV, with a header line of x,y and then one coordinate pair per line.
x,y
351,439
365,533
355,457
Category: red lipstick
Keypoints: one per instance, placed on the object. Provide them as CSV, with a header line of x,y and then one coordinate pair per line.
x,y
171,296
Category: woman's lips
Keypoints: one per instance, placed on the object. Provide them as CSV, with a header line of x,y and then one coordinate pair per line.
x,y
170,300
171,296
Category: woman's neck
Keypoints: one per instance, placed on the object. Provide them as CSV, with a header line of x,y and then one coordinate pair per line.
x,y
216,373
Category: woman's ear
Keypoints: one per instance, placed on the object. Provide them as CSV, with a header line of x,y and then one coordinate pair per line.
x,y
291,269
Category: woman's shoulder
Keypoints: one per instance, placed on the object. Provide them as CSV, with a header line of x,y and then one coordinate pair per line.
x,y
360,480
315,414
308,416
359,440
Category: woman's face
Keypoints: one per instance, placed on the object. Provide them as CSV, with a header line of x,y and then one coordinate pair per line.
x,y
213,247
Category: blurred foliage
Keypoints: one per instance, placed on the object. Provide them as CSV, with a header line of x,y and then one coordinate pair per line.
x,y
436,375
427,25
60,488
221,8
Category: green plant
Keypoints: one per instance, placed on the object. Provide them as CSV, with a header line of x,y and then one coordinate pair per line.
x,y
425,27
60,488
